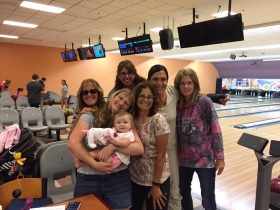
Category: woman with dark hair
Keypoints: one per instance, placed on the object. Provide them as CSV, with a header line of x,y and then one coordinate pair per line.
x,y
200,140
64,94
114,186
150,172
167,97
126,77
4,85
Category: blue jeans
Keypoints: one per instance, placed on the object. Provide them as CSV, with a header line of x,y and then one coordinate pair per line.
x,y
207,178
115,188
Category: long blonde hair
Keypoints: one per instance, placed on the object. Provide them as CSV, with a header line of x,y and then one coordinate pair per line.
x,y
103,117
192,74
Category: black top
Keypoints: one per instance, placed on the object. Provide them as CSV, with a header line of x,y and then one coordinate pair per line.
x,y
42,83
34,92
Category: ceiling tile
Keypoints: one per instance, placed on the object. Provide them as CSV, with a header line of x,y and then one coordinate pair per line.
x,y
7,6
34,32
134,1
132,19
151,3
77,11
51,24
107,20
61,4
17,18
82,20
116,16
120,4
89,4
20,31
6,11
23,9
143,16
67,26
6,29
138,8
101,1
47,14
109,9
65,17
35,21
70,1
42,17
24,14
60,20
167,7
154,12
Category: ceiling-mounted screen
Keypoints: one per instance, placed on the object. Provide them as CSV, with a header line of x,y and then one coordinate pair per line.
x,y
69,56
216,31
99,51
136,45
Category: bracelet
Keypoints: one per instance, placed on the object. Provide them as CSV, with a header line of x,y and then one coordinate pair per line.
x,y
156,184
116,149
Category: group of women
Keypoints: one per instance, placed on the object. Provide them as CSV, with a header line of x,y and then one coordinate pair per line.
x,y
159,161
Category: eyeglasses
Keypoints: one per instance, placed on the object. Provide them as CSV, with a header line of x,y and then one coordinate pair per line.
x,y
92,91
143,97
123,74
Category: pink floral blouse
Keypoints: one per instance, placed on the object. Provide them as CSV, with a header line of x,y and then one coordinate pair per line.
x,y
142,167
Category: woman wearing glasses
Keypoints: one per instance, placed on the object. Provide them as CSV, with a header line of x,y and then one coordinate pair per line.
x,y
113,185
150,172
126,77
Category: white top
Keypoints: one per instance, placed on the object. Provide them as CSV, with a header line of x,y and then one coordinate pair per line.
x,y
128,135
169,112
64,89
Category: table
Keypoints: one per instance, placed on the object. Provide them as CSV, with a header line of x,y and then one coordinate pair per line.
x,y
89,202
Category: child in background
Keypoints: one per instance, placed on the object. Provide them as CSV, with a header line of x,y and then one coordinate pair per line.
x,y
123,122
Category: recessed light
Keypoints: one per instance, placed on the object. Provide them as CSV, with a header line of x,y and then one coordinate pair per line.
x,y
157,29
86,45
118,38
42,7
8,36
223,14
13,23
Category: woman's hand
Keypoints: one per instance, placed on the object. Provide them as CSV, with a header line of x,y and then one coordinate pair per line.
x,y
86,110
104,167
158,197
106,152
225,100
220,165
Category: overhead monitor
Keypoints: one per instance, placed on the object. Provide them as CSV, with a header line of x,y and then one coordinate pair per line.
x,y
69,56
216,31
99,51
136,45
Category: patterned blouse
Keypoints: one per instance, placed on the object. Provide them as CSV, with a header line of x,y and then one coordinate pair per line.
x,y
142,168
200,140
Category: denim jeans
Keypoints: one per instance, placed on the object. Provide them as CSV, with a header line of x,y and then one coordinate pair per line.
x,y
140,194
115,188
207,178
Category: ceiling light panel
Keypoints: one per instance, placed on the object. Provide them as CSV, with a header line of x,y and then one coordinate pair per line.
x,y
8,36
13,23
42,7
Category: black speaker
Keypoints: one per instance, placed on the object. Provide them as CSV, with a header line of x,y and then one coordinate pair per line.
x,y
166,39
253,142
274,149
82,53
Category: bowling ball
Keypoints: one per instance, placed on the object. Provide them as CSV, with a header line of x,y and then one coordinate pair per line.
x,y
69,111
46,102
278,85
14,96
275,185
51,102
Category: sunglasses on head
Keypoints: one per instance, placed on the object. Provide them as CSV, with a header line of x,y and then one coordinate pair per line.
x,y
92,91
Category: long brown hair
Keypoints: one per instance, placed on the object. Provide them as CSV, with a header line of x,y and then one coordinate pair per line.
x,y
131,69
192,74
80,101
103,117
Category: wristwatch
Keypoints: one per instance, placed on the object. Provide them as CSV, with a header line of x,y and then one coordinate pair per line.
x,y
156,183
116,149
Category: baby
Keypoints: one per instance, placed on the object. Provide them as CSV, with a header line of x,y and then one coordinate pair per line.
x,y
121,136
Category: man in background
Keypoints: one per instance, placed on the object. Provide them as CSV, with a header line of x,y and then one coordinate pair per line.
x,y
34,90
42,81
